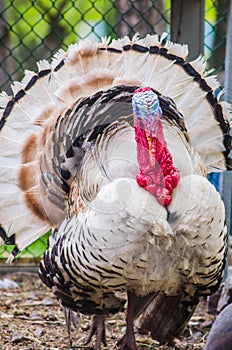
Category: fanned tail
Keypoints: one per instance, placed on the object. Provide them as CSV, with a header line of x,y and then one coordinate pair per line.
x,y
33,200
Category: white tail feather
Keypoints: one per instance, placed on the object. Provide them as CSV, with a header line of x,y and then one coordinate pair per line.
x,y
84,69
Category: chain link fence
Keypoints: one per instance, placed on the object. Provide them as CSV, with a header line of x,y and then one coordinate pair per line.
x,y
33,30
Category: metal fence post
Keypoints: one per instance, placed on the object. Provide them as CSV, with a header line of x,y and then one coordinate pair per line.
x,y
228,60
187,25
227,177
227,183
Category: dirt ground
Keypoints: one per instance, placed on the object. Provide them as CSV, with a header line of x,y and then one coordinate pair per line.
x,y
31,318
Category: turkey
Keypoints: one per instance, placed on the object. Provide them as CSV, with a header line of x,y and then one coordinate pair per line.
x,y
109,145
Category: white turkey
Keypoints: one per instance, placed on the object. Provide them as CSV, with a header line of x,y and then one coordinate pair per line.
x,y
109,145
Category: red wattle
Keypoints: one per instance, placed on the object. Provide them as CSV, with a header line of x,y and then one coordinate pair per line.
x,y
157,173
141,180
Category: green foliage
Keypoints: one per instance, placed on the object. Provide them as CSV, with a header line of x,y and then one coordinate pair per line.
x,y
210,11
35,250
37,29
30,25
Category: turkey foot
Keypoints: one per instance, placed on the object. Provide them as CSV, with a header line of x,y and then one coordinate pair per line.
x,y
128,340
98,328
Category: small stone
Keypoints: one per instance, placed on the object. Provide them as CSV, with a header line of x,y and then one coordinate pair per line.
x,y
17,338
195,336
8,284
47,302
38,332
35,315
206,324
4,315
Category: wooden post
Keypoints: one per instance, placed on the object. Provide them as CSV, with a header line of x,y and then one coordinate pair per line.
x,y
187,25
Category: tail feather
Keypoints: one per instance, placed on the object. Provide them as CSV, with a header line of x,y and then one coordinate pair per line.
x,y
166,317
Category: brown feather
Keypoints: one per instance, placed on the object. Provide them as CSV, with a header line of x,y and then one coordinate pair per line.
x,y
34,205
29,149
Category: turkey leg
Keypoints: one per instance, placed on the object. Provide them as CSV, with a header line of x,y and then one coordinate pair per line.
x,y
128,341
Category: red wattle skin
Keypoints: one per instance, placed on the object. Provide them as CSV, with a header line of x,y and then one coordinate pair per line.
x,y
157,173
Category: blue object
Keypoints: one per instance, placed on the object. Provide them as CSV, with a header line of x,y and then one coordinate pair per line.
x,y
214,178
